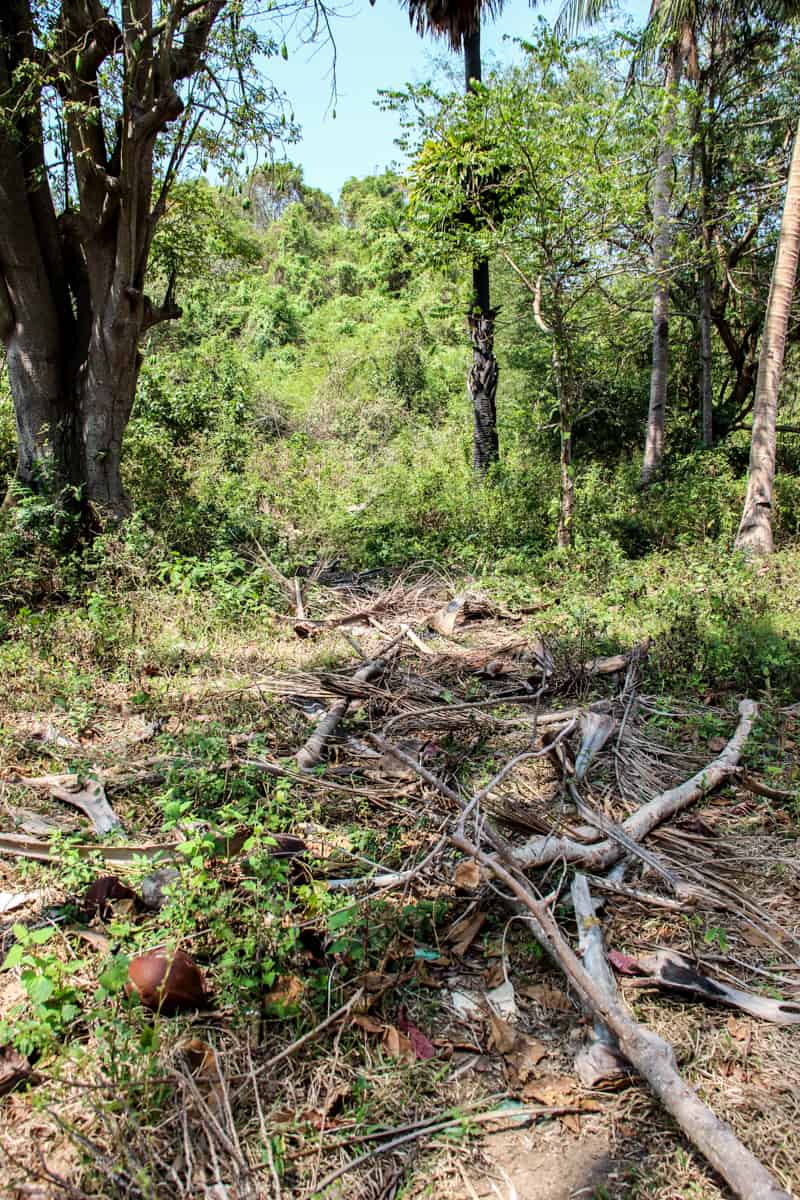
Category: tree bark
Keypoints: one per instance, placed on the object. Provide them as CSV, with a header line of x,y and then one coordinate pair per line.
x,y
483,374
72,305
482,386
662,249
565,419
755,529
706,284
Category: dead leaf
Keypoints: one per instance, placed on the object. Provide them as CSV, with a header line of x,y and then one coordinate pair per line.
x,y
9,901
14,1069
375,982
98,941
502,1001
551,1090
502,1036
368,1024
716,744
571,1121
287,989
738,1029
423,1047
467,874
624,963
397,1045
548,997
526,1055
462,934
495,975
445,620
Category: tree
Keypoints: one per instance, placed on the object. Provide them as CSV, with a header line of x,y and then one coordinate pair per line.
x,y
558,173
101,109
663,236
460,22
755,528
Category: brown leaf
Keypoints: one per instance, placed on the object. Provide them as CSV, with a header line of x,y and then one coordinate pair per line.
x,y
423,1048
716,744
501,1035
288,989
738,1029
467,874
14,1069
462,934
571,1121
397,1045
552,1090
376,982
548,997
98,941
445,620
368,1024
526,1055
495,975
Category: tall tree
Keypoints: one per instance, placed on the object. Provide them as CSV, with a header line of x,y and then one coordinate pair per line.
x,y
460,22
138,91
755,528
663,237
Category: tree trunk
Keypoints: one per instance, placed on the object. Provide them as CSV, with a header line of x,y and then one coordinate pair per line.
x,y
706,285
483,374
755,529
565,418
662,248
706,361
72,305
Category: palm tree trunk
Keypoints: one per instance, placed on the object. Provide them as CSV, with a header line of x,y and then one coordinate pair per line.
x,y
662,249
755,529
483,374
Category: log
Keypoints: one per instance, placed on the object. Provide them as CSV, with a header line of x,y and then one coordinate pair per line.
x,y
652,1057
539,851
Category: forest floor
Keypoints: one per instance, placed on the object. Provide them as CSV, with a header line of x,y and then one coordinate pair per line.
x,y
455,1022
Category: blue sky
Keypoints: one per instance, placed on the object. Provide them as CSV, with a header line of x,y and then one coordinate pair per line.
x,y
376,48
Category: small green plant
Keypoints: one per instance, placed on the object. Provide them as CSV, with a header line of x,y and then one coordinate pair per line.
x,y
53,995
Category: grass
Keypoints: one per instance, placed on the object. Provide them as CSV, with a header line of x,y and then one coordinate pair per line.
x,y
147,666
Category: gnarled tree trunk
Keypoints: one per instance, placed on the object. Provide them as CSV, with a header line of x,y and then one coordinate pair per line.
x,y
755,529
72,304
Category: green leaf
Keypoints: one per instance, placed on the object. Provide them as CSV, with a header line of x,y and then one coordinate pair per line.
x,y
39,988
39,936
13,958
284,52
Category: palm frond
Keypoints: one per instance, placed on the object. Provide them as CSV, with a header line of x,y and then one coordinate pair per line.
x,y
453,19
578,14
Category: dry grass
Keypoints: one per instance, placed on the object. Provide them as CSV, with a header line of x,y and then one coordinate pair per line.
x,y
233,1127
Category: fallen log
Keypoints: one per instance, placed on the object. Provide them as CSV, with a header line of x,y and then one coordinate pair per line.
x,y
652,1057
539,851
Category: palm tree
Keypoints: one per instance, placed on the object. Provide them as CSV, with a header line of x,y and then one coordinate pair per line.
x,y
460,22
755,528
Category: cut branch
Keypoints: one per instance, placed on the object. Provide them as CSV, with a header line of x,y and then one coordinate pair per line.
x,y
542,850
652,1057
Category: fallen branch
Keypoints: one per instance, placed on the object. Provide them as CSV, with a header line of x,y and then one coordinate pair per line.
x,y
674,972
650,1055
311,753
427,1128
540,851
